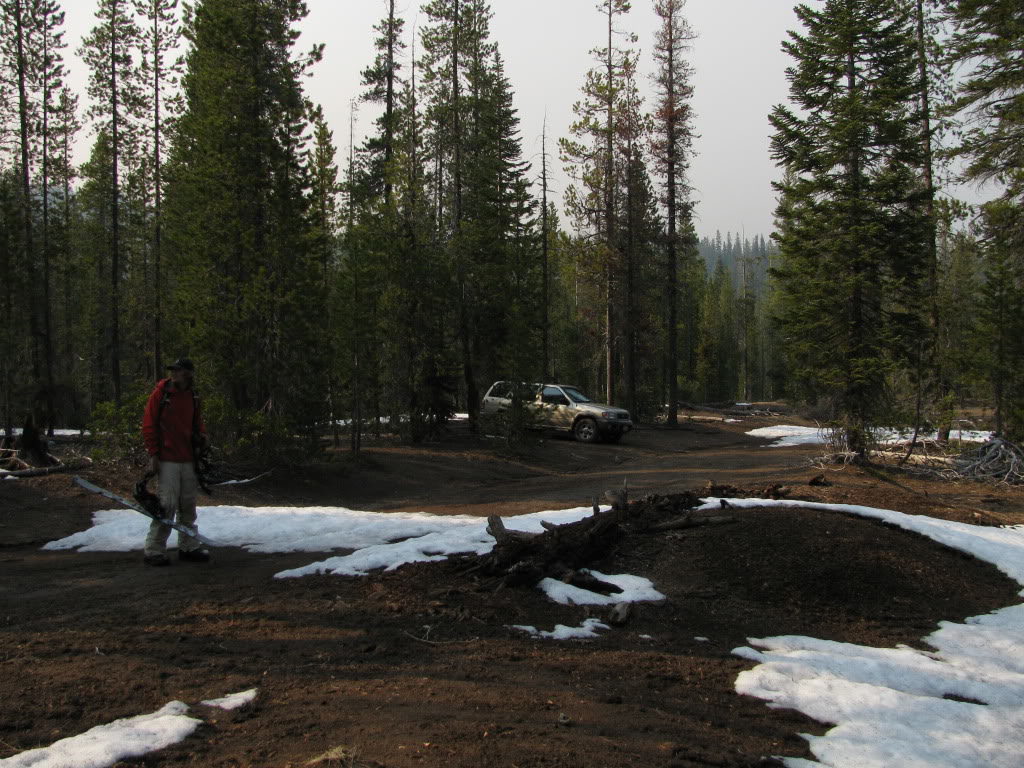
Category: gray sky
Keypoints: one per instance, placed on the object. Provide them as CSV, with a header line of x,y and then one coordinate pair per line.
x,y
546,46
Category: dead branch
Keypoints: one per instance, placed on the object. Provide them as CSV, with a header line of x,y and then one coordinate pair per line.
x,y
71,466
439,642
13,464
997,460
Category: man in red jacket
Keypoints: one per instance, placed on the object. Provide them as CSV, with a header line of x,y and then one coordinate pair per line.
x,y
172,427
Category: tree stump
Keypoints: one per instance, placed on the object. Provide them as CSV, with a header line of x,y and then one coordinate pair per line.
x,y
33,448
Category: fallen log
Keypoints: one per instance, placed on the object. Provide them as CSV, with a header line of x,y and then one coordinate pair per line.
x,y
71,466
560,551
12,463
563,552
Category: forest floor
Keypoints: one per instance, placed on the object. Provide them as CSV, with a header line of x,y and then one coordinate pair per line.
x,y
420,666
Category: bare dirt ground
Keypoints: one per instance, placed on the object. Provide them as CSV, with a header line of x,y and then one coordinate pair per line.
x,y
86,638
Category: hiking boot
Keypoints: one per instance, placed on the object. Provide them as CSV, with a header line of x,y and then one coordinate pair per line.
x,y
194,555
158,559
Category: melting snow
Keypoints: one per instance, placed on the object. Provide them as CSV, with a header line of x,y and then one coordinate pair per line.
x,y
789,435
232,700
105,745
887,704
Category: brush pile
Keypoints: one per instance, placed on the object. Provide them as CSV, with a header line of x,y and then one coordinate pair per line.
x,y
997,460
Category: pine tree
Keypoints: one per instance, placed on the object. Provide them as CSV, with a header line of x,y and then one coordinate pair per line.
x,y
369,269
637,232
482,201
960,343
383,85
33,71
18,43
854,223
12,284
672,145
372,233
395,227
247,281
1002,316
717,354
988,36
160,105
64,129
545,239
91,233
109,52
50,72
422,290
447,41
591,161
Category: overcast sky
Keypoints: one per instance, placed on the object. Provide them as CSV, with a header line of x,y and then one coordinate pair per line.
x,y
740,75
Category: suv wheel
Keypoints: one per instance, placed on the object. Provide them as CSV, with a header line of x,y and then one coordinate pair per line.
x,y
585,431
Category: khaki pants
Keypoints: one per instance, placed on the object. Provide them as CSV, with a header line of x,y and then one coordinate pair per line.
x,y
177,493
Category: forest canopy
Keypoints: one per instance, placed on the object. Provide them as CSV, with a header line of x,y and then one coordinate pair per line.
x,y
214,218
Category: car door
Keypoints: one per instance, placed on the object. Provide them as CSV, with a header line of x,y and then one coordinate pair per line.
x,y
497,398
555,407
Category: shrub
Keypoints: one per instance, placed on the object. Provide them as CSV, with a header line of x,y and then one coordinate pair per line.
x,y
118,430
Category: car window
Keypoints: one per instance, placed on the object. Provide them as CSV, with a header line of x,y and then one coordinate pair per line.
x,y
575,395
526,391
554,396
502,389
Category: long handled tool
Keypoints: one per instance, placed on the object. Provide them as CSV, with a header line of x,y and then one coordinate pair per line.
x,y
188,530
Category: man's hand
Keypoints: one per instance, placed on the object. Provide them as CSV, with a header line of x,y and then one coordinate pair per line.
x,y
154,465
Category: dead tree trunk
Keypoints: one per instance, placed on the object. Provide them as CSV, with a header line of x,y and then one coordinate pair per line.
x,y
33,448
562,551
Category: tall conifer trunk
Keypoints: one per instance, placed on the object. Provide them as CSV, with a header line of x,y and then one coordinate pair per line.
x,y
158,197
671,261
115,221
47,308
855,432
465,340
932,245
672,140
27,246
545,321
609,218
389,104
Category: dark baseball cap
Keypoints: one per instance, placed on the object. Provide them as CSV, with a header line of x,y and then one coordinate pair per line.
x,y
181,363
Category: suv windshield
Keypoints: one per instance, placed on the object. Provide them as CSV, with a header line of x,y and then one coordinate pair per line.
x,y
575,395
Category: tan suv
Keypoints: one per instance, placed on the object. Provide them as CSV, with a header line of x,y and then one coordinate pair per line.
x,y
561,407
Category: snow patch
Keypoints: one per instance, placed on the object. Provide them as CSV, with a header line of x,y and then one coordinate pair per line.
x,y
232,700
889,705
561,632
105,745
635,589
788,435
379,539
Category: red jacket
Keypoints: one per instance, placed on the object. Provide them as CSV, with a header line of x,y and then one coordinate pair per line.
x,y
171,440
